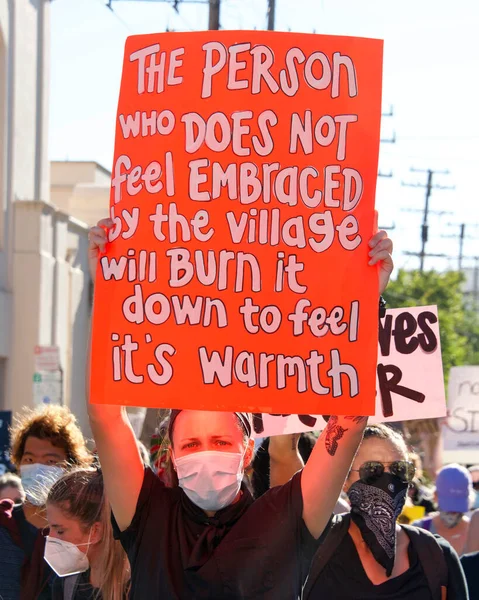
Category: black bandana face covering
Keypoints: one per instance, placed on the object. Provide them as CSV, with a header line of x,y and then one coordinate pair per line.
x,y
375,508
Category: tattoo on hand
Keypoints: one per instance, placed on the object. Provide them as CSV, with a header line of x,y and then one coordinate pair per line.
x,y
357,419
334,433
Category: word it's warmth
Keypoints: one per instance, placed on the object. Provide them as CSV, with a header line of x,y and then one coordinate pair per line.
x,y
263,370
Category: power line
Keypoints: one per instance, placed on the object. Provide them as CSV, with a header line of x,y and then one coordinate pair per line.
x,y
117,16
173,4
391,140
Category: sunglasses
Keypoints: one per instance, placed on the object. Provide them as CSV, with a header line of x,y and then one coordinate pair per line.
x,y
372,470
475,485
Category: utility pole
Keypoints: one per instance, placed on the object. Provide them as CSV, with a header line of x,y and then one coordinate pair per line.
x,y
271,14
475,285
214,15
461,237
461,244
425,226
387,140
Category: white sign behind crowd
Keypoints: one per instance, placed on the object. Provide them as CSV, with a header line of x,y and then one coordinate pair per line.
x,y
410,379
461,433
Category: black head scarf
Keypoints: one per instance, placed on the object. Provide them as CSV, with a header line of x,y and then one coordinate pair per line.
x,y
375,508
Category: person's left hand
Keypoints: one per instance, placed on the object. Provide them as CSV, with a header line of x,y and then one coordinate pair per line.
x,y
380,254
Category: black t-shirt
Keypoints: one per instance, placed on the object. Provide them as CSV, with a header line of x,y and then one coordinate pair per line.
x,y
83,589
250,550
470,564
344,578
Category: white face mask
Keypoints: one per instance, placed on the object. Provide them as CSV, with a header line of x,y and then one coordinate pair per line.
x,y
210,479
37,481
65,558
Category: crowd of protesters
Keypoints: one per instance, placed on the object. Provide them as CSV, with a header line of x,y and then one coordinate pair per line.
x,y
210,514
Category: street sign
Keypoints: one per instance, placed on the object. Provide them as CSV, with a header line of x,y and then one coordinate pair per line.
x,y
47,388
47,358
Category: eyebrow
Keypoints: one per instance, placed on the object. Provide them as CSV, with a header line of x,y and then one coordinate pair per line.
x,y
212,437
51,454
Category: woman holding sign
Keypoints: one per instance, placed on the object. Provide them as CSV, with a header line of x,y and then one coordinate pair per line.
x,y
207,538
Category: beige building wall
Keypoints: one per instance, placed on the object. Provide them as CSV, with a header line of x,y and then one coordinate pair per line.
x,y
45,287
82,189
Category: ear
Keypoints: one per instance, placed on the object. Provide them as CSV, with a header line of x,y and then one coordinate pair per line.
x,y
96,532
171,458
249,454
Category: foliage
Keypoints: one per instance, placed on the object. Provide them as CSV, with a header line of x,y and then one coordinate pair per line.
x,y
459,325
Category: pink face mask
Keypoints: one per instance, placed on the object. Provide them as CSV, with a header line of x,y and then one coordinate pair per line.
x,y
210,479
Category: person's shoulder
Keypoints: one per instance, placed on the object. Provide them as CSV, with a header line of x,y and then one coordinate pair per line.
x,y
282,492
470,560
445,545
474,516
153,491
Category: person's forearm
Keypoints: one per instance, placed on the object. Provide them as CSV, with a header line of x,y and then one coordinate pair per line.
x,y
118,452
327,468
284,458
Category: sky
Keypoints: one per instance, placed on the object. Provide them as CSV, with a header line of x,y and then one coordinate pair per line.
x,y
431,58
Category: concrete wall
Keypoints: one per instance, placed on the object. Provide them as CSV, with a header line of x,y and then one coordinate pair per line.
x,y
44,281
51,307
82,189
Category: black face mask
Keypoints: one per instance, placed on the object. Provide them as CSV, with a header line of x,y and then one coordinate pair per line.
x,y
375,507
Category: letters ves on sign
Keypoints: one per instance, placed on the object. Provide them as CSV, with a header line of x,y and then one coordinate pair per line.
x,y
243,200
410,382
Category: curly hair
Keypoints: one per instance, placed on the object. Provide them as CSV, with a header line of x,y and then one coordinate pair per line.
x,y
53,423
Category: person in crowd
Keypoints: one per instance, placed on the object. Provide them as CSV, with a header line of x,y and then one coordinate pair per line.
x,y
453,494
301,447
206,537
470,564
420,493
44,442
472,544
11,488
366,554
280,457
80,547
474,471
145,455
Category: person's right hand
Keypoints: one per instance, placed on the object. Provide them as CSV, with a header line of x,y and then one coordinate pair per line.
x,y
97,239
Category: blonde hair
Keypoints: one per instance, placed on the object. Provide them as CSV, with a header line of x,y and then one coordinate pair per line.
x,y
80,495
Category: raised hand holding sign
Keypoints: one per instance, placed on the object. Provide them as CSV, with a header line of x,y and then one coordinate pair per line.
x,y
242,205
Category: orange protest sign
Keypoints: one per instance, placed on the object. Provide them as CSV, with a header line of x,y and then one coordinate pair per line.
x,y
242,197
